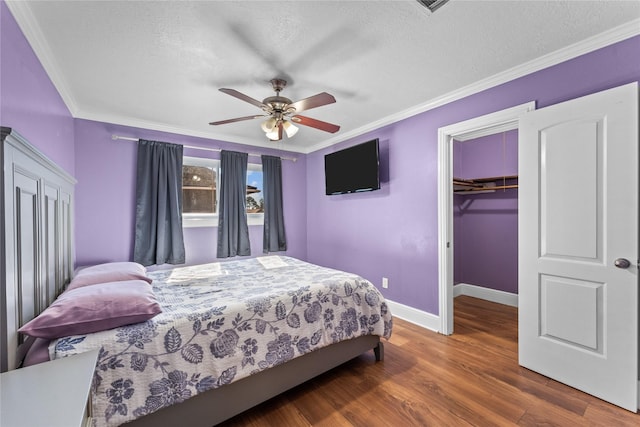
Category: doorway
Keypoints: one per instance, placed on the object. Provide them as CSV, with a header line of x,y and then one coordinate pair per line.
x,y
498,122
485,217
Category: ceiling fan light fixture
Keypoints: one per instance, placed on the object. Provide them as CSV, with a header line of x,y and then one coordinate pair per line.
x,y
290,129
269,124
273,134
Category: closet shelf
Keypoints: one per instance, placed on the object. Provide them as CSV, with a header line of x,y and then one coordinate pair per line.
x,y
484,185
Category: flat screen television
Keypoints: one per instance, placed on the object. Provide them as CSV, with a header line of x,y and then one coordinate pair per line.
x,y
353,169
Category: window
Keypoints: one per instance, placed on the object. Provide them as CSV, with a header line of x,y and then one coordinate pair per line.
x,y
199,189
200,179
255,194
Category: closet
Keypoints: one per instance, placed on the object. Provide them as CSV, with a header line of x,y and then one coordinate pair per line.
x,y
485,215
37,242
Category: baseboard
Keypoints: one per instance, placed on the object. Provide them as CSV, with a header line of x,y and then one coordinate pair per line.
x,y
501,297
415,316
432,322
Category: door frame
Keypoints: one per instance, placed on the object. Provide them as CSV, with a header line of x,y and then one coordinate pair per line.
x,y
500,121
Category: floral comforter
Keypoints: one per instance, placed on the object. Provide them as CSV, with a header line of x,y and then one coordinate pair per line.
x,y
222,322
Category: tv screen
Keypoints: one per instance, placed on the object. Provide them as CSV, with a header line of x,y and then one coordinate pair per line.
x,y
353,169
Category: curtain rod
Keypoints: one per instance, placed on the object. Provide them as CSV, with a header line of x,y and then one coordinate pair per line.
x,y
126,138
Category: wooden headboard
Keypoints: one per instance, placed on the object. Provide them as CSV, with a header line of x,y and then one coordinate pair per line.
x,y
36,235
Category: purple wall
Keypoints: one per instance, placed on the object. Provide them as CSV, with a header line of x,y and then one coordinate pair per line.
x,y
105,195
29,102
486,225
488,156
393,232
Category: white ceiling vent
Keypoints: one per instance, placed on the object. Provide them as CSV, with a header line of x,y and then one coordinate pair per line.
x,y
432,5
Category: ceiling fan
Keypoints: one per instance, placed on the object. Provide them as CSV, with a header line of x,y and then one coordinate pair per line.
x,y
281,112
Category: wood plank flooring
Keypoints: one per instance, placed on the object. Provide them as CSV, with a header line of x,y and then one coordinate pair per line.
x,y
470,378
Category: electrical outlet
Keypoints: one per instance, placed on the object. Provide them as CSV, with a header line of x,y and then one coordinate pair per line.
x,y
385,282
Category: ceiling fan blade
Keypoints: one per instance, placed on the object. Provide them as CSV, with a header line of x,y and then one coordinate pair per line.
x,y
318,124
237,119
243,97
313,101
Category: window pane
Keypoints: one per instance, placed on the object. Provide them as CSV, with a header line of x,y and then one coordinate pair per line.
x,y
198,189
255,200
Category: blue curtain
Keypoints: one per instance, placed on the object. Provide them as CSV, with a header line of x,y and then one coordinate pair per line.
x,y
233,230
274,238
158,237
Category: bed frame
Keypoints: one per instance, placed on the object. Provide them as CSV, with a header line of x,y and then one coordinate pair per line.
x,y
217,405
36,264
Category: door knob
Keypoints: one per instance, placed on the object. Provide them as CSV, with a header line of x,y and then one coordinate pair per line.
x,y
622,263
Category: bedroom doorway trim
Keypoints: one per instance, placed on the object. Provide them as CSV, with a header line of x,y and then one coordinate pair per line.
x,y
477,127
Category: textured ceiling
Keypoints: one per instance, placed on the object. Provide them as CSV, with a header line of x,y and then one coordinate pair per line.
x,y
159,64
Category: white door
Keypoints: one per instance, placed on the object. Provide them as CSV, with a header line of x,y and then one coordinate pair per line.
x,y
578,230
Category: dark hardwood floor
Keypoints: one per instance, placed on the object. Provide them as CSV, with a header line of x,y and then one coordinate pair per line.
x,y
470,378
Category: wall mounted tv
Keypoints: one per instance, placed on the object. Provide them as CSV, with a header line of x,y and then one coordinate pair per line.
x,y
353,169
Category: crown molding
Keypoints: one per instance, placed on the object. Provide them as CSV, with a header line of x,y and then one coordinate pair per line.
x,y
159,127
28,24
582,47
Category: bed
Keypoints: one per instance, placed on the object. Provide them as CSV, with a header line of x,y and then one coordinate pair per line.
x,y
222,323
229,335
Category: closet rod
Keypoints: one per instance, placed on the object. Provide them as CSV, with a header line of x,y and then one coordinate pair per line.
x,y
126,138
497,187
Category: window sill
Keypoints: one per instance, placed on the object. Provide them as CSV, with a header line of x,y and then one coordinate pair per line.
x,y
212,220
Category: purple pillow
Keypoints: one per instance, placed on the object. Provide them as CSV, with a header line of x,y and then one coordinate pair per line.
x,y
38,352
95,308
109,272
